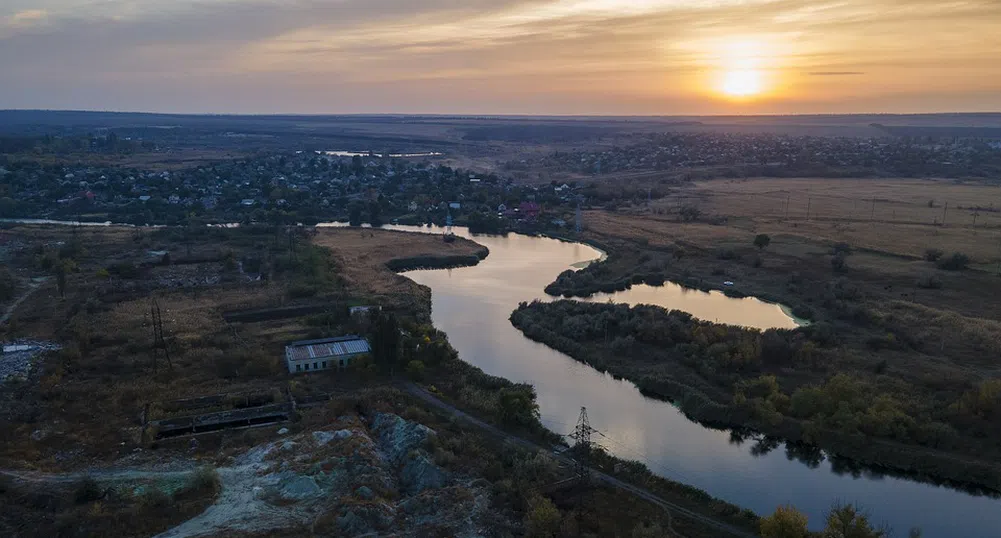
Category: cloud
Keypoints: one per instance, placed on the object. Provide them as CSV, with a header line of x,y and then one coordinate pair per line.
x,y
26,18
576,56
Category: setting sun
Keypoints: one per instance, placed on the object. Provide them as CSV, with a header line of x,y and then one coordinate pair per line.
x,y
742,83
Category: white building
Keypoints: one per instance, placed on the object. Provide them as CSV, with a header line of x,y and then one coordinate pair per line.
x,y
325,354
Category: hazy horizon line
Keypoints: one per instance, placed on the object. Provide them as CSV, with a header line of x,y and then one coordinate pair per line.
x,y
490,115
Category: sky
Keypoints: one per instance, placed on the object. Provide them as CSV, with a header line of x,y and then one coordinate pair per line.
x,y
574,57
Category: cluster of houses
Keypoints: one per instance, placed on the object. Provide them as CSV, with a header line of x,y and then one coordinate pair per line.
x,y
305,183
951,156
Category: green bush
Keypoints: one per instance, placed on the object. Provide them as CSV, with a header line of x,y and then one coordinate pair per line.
x,y
957,262
933,254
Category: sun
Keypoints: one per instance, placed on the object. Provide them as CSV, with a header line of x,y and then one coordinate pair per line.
x,y
742,83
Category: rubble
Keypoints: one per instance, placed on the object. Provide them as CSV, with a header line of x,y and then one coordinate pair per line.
x,y
18,357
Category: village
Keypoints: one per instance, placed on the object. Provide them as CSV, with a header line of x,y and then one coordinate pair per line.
x,y
304,187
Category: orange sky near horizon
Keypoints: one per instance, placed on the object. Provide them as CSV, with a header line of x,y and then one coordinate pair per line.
x,y
502,56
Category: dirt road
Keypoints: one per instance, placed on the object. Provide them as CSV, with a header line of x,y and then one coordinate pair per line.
x,y
597,475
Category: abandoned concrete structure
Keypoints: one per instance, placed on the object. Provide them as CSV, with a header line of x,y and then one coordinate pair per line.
x,y
324,354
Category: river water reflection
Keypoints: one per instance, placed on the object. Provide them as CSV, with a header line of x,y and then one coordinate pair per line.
x,y
472,305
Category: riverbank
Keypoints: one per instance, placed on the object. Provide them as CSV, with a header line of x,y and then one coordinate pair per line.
x,y
671,356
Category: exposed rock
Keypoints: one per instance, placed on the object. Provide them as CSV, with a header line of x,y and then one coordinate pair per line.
x,y
342,434
365,492
419,474
283,431
398,437
323,438
296,487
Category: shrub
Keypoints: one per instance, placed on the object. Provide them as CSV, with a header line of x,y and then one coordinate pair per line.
x,y
762,241
933,254
154,499
786,522
849,521
727,254
87,491
841,248
415,369
929,282
957,262
205,479
839,262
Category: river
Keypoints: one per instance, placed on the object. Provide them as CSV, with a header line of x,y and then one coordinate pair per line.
x,y
473,304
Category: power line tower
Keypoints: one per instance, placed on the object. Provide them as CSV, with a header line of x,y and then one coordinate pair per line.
x,y
159,343
582,471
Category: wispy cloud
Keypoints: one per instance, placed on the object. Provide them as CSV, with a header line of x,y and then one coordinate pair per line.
x,y
556,56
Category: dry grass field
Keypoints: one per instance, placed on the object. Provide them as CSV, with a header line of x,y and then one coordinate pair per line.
x,y
87,397
364,253
897,216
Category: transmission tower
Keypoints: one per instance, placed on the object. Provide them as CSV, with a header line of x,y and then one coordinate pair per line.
x,y
159,344
582,471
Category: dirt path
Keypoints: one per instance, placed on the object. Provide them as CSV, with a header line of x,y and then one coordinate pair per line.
x,y
32,288
598,475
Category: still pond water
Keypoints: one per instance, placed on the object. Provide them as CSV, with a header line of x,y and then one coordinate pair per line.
x,y
472,306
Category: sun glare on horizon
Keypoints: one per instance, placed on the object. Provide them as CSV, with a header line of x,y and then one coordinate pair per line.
x,y
742,68
742,83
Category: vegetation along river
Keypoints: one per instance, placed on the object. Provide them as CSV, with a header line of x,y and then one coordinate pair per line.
x,y
472,306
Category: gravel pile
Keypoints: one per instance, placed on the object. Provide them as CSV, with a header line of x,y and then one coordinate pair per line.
x,y
18,357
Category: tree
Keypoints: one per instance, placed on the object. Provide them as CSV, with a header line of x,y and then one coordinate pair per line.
x,y
848,521
933,254
689,213
542,520
63,268
762,241
354,215
957,262
8,284
517,405
385,340
375,214
415,369
786,522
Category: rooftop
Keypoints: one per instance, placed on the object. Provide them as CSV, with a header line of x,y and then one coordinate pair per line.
x,y
328,347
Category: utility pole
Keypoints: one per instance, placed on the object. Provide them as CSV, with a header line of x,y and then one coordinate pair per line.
x,y
944,211
809,205
872,216
788,199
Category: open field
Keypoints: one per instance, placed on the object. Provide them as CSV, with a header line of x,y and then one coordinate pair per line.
x,y
102,318
909,331
897,216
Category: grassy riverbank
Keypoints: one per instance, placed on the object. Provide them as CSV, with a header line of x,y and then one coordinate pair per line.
x,y
737,377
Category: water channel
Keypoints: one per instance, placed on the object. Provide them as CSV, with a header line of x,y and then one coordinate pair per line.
x,y
472,305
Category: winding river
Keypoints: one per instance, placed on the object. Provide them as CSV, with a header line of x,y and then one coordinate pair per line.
x,y
472,306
